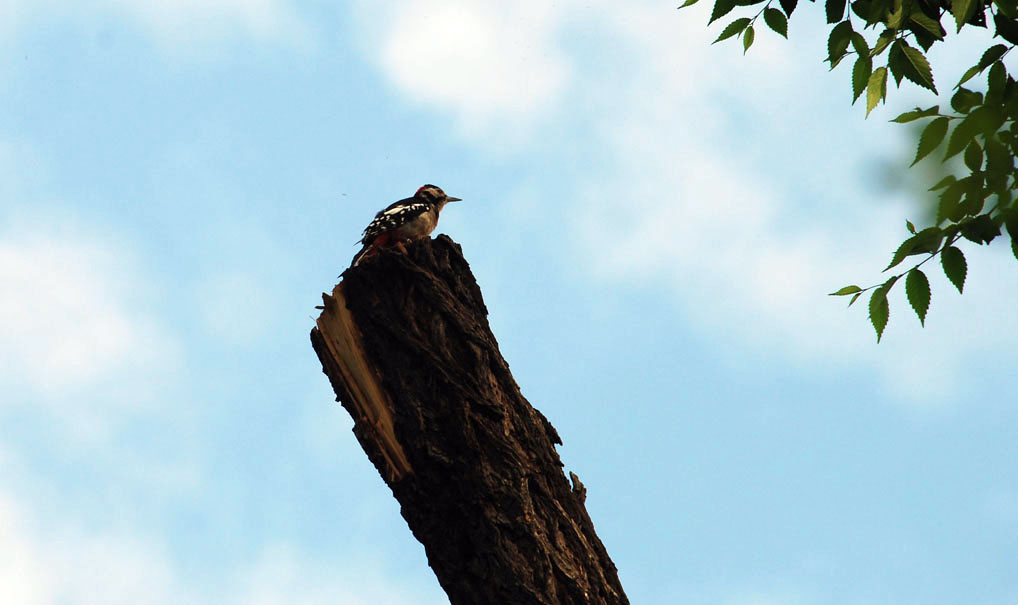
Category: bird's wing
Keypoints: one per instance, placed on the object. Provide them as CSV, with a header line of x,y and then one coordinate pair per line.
x,y
392,217
364,234
403,202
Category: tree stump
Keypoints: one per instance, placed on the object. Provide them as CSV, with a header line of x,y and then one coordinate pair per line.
x,y
405,342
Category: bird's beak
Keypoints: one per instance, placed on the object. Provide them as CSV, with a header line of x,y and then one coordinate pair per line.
x,y
453,199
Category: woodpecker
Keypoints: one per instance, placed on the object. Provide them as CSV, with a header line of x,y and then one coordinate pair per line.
x,y
409,219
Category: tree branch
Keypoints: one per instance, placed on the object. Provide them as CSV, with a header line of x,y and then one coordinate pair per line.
x,y
405,341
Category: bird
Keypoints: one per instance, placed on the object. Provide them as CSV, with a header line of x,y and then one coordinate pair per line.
x,y
409,219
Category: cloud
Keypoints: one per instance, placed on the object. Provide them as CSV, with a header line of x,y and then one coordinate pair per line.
x,y
181,22
69,322
70,566
282,575
178,26
79,321
495,67
62,563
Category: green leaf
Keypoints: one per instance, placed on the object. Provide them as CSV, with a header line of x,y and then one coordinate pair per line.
x,y
975,197
926,241
732,29
917,289
948,206
917,113
924,21
776,20
859,44
974,156
861,75
908,62
883,41
999,166
721,8
921,73
964,100
872,11
879,311
955,267
897,62
989,57
1012,229
1007,28
856,296
846,291
981,229
903,250
963,133
996,79
999,161
895,16
747,39
1011,224
910,226
835,10
788,6
876,88
969,74
944,182
688,3
962,11
931,138
837,42
984,120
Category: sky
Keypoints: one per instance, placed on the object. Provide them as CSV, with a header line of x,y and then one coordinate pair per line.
x,y
654,222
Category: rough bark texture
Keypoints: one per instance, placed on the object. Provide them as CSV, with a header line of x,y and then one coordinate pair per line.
x,y
471,462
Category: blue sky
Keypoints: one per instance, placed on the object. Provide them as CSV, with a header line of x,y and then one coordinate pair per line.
x,y
654,222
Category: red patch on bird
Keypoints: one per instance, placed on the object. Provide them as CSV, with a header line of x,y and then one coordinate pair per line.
x,y
420,190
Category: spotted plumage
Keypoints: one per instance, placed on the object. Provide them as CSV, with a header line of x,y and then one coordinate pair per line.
x,y
406,220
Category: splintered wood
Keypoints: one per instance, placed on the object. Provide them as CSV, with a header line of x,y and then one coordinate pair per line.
x,y
371,406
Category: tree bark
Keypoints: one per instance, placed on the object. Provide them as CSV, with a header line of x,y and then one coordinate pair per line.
x,y
405,342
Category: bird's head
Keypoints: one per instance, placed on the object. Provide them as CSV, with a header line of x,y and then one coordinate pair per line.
x,y
434,195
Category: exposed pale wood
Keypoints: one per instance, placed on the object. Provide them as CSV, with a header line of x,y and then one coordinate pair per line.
x,y
372,408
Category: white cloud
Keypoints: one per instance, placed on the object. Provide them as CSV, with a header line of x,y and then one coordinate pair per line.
x,y
21,573
77,322
40,567
42,564
182,22
178,26
282,575
11,15
494,66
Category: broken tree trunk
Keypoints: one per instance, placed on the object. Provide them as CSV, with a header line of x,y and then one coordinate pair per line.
x,y
405,342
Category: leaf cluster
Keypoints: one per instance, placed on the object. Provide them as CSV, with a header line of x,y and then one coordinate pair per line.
x,y
889,40
978,205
